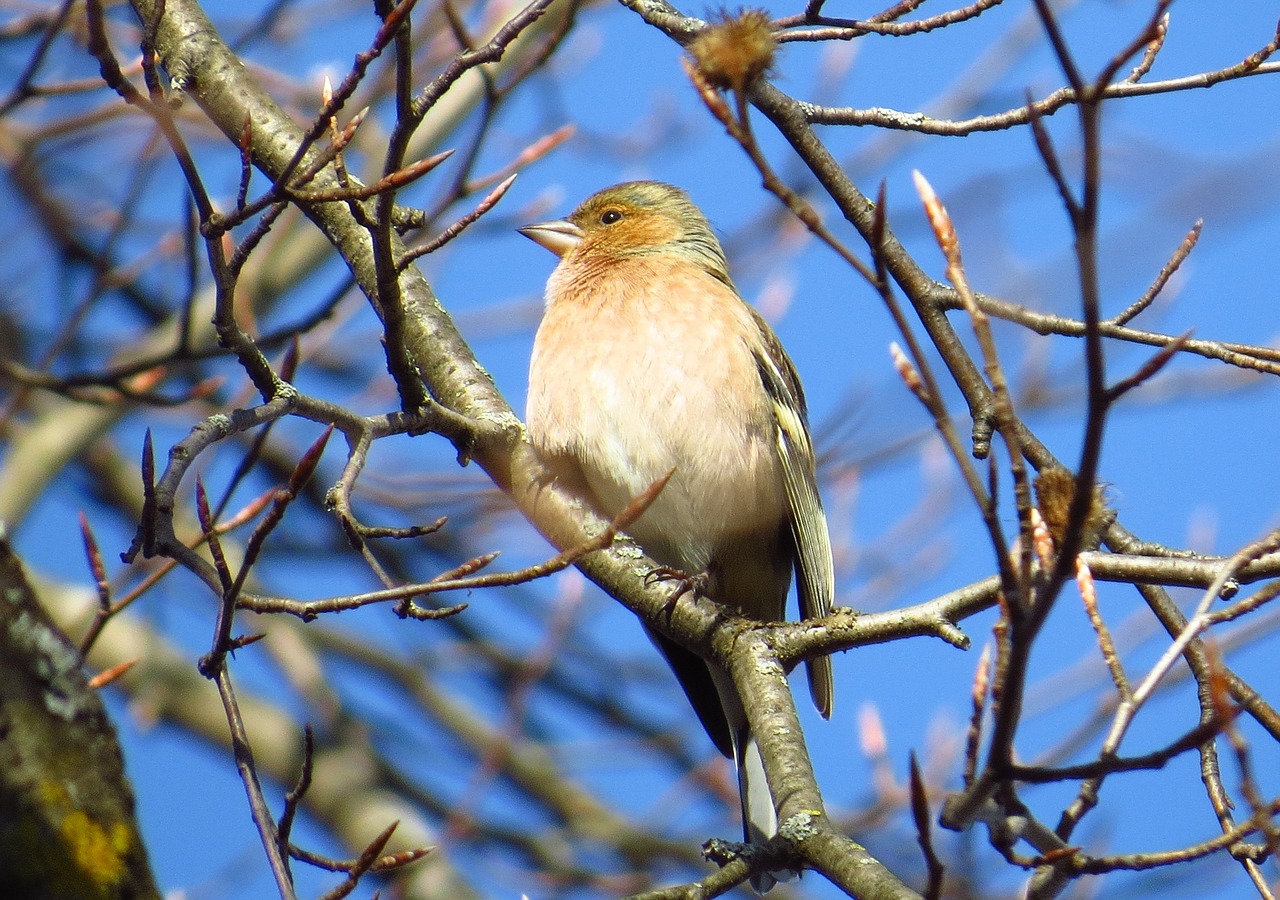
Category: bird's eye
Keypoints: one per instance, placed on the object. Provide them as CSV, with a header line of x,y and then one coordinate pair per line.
x,y
609,216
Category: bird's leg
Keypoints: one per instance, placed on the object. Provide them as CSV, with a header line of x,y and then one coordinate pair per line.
x,y
684,584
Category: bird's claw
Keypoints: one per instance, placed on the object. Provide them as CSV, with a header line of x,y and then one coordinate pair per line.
x,y
684,584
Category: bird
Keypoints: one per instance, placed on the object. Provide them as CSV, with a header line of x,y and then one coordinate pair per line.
x,y
647,361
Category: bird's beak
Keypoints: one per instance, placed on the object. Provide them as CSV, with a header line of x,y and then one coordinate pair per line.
x,y
559,236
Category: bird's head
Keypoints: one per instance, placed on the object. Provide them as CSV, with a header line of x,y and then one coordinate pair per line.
x,y
637,218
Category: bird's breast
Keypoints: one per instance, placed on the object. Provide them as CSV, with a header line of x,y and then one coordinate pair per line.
x,y
650,369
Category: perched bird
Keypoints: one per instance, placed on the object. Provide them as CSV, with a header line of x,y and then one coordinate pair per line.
x,y
648,360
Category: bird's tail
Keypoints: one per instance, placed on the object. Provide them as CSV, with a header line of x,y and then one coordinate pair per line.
x,y
759,817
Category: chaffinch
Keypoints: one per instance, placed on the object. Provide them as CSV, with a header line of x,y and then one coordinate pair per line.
x,y
648,360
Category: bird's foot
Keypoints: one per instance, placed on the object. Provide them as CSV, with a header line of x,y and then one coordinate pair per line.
x,y
684,584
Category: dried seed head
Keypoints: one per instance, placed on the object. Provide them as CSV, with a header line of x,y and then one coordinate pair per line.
x,y
735,49
1054,489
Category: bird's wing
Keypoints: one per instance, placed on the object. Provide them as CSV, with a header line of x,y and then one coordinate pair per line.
x,y
815,571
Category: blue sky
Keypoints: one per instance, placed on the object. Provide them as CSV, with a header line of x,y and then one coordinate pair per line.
x,y
1196,471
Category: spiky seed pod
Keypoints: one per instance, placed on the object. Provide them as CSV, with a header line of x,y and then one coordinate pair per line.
x,y
1054,489
735,49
